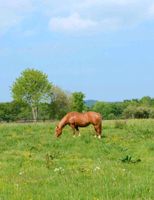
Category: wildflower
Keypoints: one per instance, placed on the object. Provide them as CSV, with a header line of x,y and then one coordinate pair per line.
x,y
21,173
97,168
60,169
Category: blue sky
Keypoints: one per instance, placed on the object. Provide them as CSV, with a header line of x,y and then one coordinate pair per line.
x,y
104,48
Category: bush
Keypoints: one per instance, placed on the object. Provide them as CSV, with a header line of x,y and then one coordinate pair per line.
x,y
136,112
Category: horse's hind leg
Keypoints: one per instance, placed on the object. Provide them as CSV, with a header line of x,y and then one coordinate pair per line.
x,y
77,129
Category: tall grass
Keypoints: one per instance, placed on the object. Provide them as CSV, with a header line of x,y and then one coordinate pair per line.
x,y
36,165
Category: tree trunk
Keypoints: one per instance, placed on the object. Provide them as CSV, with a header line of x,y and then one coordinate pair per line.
x,y
34,113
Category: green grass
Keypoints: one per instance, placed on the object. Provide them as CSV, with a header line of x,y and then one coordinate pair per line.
x,y
34,165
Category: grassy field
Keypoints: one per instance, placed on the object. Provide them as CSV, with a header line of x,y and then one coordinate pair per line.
x,y
34,165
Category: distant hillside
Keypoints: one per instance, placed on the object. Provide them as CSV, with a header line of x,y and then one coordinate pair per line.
x,y
90,102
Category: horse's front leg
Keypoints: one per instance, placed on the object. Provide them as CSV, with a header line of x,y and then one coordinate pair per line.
x,y
98,129
73,128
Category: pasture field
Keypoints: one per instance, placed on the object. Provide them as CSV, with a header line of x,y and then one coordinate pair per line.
x,y
34,165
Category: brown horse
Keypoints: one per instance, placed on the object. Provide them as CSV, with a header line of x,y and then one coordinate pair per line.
x,y
76,120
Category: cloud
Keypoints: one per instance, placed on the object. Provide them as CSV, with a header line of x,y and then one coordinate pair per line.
x,y
77,15
151,11
98,15
71,23
13,12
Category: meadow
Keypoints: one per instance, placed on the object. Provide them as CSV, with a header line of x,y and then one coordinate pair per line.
x,y
34,165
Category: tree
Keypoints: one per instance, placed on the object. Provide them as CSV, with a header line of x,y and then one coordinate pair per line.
x,y
60,103
10,111
105,109
32,87
136,112
146,101
78,101
7,112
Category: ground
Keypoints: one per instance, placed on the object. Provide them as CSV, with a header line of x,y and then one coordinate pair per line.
x,y
35,165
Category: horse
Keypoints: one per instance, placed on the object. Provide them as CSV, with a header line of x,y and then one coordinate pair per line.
x,y
76,120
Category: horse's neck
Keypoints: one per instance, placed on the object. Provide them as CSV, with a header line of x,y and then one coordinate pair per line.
x,y
62,123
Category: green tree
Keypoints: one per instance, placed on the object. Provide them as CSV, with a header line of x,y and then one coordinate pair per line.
x,y
136,112
146,101
32,87
78,101
105,109
60,103
10,111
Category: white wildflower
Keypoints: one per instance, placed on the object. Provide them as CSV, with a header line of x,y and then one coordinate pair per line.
x,y
97,168
21,173
60,169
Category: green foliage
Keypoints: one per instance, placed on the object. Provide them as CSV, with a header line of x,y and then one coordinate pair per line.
x,y
36,165
12,111
134,108
103,108
146,101
32,88
60,103
78,101
151,115
109,110
136,112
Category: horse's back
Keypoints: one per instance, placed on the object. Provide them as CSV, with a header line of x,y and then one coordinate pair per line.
x,y
94,116
87,117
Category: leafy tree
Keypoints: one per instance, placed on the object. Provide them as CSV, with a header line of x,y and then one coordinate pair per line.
x,y
6,112
10,111
104,108
109,110
78,103
32,87
44,111
136,112
151,114
60,103
146,101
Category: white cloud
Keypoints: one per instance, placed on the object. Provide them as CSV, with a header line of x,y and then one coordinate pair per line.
x,y
97,15
89,15
76,15
151,11
75,23
71,23
12,12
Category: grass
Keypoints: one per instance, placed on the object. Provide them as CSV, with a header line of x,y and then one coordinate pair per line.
x,y
34,165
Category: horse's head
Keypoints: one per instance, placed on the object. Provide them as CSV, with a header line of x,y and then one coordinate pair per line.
x,y
58,131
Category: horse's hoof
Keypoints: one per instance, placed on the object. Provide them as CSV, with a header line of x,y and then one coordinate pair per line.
x,y
99,137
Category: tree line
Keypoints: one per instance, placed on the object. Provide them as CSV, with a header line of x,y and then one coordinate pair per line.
x,y
35,98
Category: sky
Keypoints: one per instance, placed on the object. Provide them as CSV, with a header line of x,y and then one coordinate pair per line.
x,y
103,48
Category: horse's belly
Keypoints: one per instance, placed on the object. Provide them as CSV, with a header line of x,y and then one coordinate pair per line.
x,y
79,121
82,124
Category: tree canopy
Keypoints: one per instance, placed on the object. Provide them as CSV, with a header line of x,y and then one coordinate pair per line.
x,y
34,97
32,87
78,101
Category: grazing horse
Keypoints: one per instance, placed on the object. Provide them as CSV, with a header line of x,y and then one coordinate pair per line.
x,y
76,120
